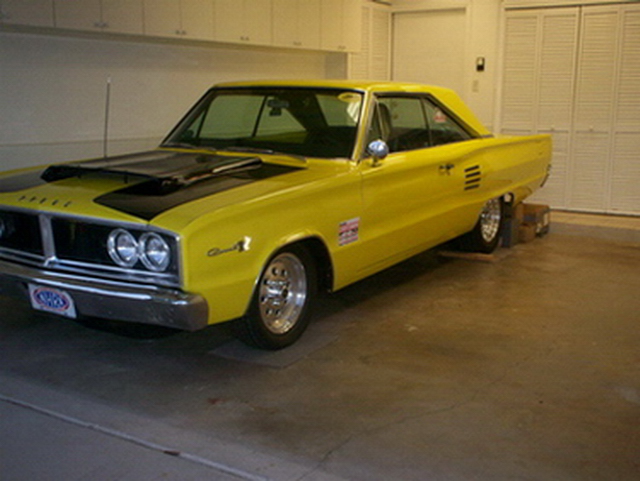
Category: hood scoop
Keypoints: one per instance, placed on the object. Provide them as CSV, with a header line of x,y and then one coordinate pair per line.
x,y
163,171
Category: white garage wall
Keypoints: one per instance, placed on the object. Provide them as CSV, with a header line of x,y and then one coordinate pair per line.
x,y
53,90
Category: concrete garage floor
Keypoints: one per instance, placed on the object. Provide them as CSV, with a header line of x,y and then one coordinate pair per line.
x,y
438,369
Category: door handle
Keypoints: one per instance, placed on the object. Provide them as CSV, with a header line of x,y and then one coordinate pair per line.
x,y
446,168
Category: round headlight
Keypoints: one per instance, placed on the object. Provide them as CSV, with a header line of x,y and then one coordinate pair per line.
x,y
123,248
155,252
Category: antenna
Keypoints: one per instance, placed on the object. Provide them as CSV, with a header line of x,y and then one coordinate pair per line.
x,y
106,118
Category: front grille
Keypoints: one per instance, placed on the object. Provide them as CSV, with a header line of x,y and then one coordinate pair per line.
x,y
74,245
79,241
20,232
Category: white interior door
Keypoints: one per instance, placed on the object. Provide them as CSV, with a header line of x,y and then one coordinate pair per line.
x,y
429,47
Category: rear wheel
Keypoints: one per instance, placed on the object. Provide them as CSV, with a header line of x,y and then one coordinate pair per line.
x,y
280,307
486,234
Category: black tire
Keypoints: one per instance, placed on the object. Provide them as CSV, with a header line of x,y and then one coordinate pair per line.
x,y
281,305
485,236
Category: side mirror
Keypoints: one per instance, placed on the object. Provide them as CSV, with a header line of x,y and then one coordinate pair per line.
x,y
378,149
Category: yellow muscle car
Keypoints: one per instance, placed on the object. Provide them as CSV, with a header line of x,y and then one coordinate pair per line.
x,y
263,194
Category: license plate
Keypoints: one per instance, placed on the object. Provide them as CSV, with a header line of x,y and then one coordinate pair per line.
x,y
52,300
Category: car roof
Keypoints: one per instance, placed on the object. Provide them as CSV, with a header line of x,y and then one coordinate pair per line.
x,y
448,97
368,85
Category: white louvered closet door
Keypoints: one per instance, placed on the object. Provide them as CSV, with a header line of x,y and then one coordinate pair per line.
x,y
540,60
580,80
373,62
625,172
595,110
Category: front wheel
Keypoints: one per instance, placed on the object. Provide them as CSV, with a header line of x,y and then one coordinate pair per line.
x,y
280,307
486,234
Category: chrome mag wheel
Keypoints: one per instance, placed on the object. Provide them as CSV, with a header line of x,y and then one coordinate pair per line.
x,y
282,293
490,219
282,300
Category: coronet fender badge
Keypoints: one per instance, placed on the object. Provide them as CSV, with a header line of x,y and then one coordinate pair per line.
x,y
242,245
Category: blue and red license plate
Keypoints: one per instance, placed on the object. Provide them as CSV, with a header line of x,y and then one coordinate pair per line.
x,y
52,300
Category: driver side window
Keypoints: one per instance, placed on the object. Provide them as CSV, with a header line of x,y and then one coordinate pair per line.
x,y
407,122
403,123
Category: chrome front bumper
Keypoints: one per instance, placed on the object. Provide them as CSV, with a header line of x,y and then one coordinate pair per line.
x,y
111,300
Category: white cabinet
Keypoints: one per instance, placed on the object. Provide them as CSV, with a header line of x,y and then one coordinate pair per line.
x,y
117,16
80,15
197,19
37,13
296,23
244,21
192,19
341,25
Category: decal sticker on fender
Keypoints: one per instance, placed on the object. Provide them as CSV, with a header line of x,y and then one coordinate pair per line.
x,y
242,245
349,231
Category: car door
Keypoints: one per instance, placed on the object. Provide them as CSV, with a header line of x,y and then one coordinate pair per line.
x,y
408,196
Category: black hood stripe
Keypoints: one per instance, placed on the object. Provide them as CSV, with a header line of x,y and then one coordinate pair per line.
x,y
156,181
144,201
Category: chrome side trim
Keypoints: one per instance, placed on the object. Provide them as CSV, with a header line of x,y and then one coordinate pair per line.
x,y
48,244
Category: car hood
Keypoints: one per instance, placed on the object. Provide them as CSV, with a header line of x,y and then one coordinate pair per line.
x,y
147,184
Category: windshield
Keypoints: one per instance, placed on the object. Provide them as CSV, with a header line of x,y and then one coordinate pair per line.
x,y
299,121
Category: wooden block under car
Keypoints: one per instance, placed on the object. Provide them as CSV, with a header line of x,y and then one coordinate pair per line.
x,y
526,233
513,218
538,215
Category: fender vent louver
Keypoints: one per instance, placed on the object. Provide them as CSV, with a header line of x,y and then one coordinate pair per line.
x,y
472,177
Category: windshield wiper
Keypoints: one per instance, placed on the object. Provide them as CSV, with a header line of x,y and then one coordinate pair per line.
x,y
258,150
181,145
184,145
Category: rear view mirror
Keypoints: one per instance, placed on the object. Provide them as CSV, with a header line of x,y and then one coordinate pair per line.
x,y
378,149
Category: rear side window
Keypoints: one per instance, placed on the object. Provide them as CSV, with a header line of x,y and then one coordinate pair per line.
x,y
444,129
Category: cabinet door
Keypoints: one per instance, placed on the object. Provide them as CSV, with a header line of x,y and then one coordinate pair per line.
x,y
162,18
38,13
228,20
286,23
246,21
309,23
341,25
197,19
78,15
122,16
257,25
351,24
331,25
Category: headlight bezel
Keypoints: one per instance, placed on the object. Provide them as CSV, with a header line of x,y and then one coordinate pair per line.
x,y
149,249
153,241
116,247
